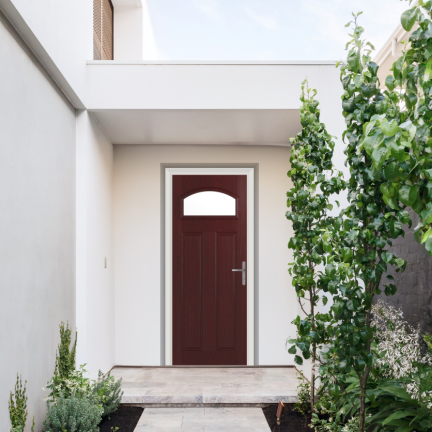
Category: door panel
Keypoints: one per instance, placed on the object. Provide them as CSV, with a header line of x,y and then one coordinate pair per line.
x,y
209,300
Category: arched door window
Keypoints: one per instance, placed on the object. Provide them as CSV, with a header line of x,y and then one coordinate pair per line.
x,y
209,203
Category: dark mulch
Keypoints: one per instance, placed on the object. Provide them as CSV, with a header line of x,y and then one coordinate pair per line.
x,y
291,420
125,418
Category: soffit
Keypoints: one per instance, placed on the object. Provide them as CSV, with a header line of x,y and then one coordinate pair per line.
x,y
205,127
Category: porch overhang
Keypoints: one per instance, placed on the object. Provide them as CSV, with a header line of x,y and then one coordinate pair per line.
x,y
219,103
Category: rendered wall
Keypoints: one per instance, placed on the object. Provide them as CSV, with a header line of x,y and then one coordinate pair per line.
x,y
138,240
37,222
95,289
64,29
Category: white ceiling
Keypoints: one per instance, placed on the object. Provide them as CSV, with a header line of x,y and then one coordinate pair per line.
x,y
235,127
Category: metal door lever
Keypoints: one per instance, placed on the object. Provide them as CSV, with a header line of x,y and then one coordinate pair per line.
x,y
243,270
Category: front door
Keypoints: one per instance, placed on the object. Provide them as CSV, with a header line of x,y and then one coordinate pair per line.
x,y
209,242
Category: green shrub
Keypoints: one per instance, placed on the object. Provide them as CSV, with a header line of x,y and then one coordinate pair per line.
x,y
73,414
65,362
108,392
75,385
303,392
18,408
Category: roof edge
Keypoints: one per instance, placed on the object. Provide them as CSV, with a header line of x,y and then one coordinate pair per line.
x,y
211,62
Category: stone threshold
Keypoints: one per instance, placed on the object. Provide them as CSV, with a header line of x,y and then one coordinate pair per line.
x,y
207,386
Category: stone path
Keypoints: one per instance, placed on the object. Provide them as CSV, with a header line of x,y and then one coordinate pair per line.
x,y
202,420
207,386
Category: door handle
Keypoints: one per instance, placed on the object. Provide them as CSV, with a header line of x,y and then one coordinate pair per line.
x,y
243,270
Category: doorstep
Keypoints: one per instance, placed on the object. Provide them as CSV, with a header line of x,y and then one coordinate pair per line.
x,y
207,386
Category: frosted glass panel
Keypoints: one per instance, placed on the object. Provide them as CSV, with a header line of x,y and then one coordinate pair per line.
x,y
209,204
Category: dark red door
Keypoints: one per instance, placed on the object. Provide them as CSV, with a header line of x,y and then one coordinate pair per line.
x,y
209,299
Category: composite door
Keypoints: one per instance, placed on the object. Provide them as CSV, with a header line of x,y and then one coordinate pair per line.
x,y
209,242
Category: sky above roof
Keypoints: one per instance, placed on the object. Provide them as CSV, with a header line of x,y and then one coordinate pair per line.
x,y
266,29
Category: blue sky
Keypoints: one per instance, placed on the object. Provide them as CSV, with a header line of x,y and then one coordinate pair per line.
x,y
266,29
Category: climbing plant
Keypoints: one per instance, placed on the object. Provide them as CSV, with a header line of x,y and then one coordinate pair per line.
x,y
359,256
314,180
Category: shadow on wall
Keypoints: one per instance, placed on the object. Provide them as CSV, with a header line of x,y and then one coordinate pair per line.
x,y
414,286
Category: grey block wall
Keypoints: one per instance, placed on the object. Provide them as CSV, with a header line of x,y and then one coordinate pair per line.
x,y
37,223
414,294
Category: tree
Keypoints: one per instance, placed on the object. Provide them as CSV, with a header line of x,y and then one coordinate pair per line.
x,y
309,199
359,258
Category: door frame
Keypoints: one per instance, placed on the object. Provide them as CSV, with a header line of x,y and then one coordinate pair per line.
x,y
250,305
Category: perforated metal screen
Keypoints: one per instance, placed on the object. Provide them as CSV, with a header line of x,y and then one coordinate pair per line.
x,y
103,30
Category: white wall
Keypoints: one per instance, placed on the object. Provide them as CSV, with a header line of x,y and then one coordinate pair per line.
x,y
204,85
95,289
137,245
37,223
133,32
65,30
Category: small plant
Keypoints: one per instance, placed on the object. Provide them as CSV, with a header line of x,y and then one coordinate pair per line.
x,y
65,362
76,384
402,355
72,414
108,392
326,417
18,408
303,391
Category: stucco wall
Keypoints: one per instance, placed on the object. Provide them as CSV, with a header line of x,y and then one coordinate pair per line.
x,y
138,238
37,222
95,289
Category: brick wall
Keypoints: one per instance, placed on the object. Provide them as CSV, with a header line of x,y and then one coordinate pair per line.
x,y
414,292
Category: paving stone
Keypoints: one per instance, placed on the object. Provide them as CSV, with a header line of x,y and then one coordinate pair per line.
x,y
202,420
208,385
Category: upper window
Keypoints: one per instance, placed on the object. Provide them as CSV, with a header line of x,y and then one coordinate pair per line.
x,y
209,203
103,30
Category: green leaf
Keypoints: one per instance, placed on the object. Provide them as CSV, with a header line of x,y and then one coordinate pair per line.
x,y
354,339
373,141
387,256
398,415
426,235
408,18
324,300
292,350
408,194
428,245
298,360
392,171
354,60
330,271
428,71
404,217
347,255
379,156
389,128
389,82
352,305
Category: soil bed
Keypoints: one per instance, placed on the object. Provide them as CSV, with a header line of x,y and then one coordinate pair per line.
x,y
125,418
291,420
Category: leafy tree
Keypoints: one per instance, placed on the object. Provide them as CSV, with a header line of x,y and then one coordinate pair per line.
x,y
18,407
409,166
359,258
309,199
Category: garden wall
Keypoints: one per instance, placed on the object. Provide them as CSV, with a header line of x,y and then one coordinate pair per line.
x,y
37,222
414,292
